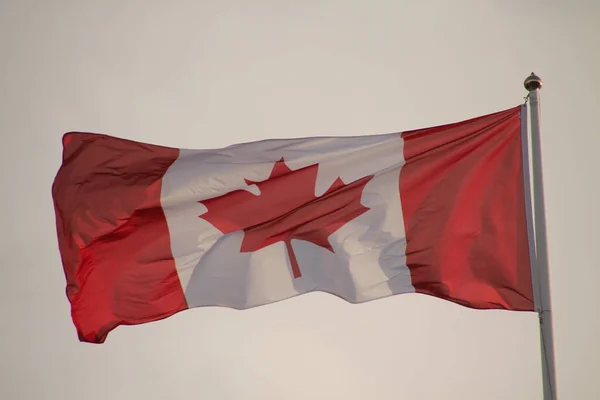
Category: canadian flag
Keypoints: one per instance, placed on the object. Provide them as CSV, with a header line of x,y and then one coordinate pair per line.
x,y
146,231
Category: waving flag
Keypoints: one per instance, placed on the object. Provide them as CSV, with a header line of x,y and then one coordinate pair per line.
x,y
146,231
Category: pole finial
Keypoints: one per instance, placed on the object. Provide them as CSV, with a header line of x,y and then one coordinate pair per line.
x,y
533,83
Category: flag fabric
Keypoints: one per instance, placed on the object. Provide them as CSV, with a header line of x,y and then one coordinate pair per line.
x,y
146,231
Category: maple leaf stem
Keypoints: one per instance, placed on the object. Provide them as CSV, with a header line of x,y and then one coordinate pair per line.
x,y
293,261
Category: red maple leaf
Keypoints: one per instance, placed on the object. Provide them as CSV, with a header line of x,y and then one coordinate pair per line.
x,y
287,209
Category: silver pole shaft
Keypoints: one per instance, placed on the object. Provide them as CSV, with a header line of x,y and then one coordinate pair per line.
x,y
541,274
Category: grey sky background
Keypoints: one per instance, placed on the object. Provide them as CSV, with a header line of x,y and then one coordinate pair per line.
x,y
202,74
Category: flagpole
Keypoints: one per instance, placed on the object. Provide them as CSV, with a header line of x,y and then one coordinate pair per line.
x,y
541,277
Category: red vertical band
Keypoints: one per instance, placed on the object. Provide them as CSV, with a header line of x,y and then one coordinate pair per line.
x,y
464,212
113,235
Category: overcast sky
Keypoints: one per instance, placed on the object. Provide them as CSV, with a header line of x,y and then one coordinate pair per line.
x,y
205,74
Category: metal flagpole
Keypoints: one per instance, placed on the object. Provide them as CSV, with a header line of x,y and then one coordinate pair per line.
x,y
541,277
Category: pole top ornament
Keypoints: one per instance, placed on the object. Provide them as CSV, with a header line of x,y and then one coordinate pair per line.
x,y
533,83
